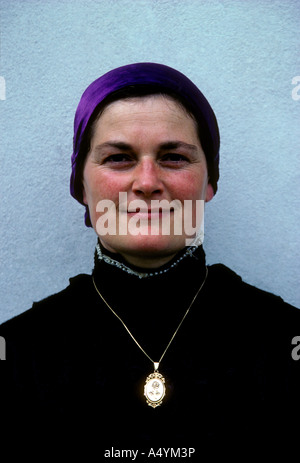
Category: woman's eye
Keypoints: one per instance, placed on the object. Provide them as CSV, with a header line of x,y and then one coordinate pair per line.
x,y
119,158
174,158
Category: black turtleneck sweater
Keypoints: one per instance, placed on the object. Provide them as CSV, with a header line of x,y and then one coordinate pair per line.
x,y
73,374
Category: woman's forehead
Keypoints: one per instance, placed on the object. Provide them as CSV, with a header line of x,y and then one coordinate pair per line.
x,y
149,104
155,115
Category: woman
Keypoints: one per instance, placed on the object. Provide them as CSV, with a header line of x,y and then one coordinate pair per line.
x,y
154,349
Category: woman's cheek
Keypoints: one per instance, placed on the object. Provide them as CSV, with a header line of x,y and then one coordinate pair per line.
x,y
190,187
104,187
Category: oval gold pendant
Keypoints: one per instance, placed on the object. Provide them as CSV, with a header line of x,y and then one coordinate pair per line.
x,y
155,389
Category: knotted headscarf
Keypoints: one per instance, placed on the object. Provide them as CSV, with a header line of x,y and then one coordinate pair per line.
x,y
156,76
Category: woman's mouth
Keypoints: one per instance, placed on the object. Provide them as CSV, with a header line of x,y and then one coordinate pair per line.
x,y
151,212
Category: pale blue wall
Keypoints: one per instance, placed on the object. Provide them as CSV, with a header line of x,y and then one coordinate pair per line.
x,y
242,54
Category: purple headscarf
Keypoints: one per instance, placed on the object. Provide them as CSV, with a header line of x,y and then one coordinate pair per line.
x,y
152,74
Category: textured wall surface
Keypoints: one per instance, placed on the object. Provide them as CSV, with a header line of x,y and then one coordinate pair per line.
x,y
242,55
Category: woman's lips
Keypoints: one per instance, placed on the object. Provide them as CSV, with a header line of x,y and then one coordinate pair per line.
x,y
151,212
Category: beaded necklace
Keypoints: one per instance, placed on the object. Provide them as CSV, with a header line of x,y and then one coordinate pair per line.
x,y
189,252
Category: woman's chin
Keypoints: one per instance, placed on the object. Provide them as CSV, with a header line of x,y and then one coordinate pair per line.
x,y
147,248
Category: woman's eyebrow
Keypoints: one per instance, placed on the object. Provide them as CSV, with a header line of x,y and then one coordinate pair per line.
x,y
114,144
168,145
172,145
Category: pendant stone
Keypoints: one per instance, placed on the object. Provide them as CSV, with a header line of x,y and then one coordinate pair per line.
x,y
155,389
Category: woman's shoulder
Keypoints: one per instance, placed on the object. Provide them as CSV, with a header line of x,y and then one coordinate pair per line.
x,y
226,283
52,309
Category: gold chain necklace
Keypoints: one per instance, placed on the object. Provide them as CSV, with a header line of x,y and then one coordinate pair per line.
x,y
154,389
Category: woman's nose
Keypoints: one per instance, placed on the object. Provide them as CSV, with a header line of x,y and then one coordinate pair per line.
x,y
147,179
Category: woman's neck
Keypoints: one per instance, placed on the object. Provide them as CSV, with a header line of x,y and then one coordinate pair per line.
x,y
146,262
138,268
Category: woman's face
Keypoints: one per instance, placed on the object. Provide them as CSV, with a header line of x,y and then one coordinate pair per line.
x,y
147,149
